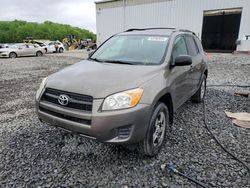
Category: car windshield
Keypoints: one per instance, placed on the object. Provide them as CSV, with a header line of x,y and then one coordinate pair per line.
x,y
14,46
132,49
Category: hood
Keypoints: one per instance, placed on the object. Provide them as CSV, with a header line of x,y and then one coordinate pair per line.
x,y
100,79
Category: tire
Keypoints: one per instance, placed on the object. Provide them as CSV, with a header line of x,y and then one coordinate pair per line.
x,y
200,94
13,55
156,133
61,50
39,54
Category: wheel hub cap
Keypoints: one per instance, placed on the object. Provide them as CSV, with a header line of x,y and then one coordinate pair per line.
x,y
160,125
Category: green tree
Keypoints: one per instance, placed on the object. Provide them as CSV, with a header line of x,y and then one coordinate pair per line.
x,y
17,30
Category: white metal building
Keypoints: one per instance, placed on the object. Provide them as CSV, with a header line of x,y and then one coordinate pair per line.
x,y
219,23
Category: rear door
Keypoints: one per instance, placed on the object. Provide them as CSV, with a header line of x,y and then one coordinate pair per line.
x,y
33,49
179,75
27,50
21,50
195,69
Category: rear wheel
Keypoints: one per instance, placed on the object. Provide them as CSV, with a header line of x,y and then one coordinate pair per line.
x,y
155,137
39,54
60,50
13,55
200,94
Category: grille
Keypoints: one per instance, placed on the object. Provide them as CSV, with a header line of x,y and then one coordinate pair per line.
x,y
76,101
70,118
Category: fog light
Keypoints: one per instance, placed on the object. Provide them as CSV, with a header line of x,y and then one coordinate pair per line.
x,y
124,132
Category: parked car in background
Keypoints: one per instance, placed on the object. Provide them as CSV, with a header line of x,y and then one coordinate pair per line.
x,y
127,91
55,46
18,50
42,45
4,46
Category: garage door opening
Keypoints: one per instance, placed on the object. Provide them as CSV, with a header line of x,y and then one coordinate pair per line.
x,y
221,29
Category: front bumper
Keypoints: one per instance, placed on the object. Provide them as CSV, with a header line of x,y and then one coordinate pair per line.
x,y
4,54
104,126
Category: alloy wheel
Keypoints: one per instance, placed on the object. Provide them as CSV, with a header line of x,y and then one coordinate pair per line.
x,y
160,126
203,89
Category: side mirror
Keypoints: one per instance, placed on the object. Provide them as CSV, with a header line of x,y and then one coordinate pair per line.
x,y
183,60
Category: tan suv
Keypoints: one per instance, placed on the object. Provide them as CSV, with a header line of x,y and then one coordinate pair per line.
x,y
127,91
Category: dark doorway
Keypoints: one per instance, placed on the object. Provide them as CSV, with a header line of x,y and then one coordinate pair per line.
x,y
220,30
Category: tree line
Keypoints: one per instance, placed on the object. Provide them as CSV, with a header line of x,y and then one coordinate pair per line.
x,y
16,31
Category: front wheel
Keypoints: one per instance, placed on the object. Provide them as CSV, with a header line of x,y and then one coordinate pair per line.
x,y
61,50
155,137
200,94
39,54
13,55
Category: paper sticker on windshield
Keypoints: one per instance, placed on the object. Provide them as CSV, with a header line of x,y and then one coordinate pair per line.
x,y
158,39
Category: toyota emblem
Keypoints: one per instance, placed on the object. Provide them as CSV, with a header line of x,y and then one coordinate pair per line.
x,y
63,100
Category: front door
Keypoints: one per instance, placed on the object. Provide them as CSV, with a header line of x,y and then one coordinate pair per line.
x,y
179,75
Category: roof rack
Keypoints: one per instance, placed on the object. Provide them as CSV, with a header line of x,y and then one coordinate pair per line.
x,y
186,30
143,29
138,29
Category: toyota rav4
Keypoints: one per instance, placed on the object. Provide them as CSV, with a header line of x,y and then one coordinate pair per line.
x,y
127,91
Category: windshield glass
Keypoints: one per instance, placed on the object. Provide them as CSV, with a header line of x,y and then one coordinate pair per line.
x,y
132,49
14,46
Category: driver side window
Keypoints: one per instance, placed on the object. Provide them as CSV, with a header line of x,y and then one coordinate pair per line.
x,y
179,48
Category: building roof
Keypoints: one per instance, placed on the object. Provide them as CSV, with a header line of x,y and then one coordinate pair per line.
x,y
104,1
104,4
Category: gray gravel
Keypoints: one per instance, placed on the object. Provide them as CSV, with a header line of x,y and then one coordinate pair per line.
x,y
34,154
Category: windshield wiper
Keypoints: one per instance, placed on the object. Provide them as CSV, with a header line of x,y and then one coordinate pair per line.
x,y
97,60
118,62
112,61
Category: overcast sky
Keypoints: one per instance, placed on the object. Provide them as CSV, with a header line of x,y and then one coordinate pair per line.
x,y
80,13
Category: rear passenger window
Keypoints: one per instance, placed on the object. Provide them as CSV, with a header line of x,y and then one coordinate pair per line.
x,y
198,42
192,47
179,48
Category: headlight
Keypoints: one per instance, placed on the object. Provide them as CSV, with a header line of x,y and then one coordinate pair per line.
x,y
42,85
126,99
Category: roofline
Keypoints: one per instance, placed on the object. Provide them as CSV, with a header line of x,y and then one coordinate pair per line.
x,y
104,1
167,28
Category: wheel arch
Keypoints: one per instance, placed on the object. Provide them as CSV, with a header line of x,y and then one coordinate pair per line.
x,y
166,98
14,53
39,51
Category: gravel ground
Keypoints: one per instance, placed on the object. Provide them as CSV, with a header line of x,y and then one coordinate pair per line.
x,y
34,154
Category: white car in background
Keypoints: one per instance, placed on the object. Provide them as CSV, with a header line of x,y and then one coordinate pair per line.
x,y
4,46
18,50
55,46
